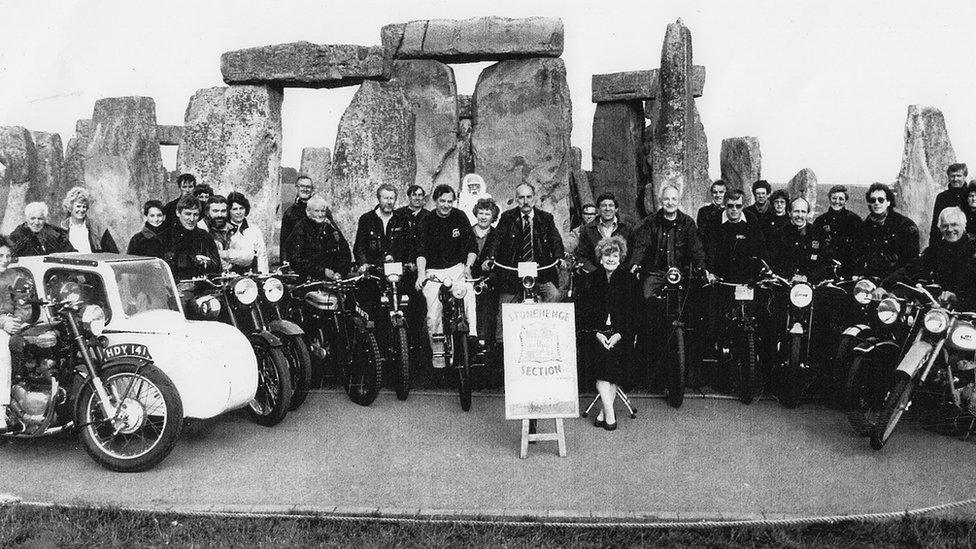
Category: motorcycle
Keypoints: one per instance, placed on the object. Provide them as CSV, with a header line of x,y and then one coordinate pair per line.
x,y
339,332
941,358
292,336
232,299
393,301
674,295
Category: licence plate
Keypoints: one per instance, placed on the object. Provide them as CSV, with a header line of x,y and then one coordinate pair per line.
x,y
393,268
744,293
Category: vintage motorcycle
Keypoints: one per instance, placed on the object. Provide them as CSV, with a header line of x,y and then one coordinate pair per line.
x,y
392,301
673,294
339,334
232,299
292,336
941,359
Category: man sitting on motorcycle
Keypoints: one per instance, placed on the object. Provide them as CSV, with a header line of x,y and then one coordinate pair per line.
x,y
316,248
189,250
949,262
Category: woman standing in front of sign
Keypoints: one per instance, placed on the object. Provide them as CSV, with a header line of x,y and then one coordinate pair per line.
x,y
608,317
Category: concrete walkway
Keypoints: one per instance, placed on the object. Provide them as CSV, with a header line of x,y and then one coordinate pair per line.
x,y
710,459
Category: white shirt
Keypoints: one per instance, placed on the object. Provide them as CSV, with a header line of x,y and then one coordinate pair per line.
x,y
78,236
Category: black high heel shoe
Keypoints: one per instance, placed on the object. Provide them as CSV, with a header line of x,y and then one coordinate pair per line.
x,y
600,423
610,426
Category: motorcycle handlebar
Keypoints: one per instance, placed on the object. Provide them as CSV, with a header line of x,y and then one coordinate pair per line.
x,y
515,269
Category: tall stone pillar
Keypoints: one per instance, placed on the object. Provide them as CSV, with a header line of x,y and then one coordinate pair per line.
x,y
18,157
927,154
741,163
50,168
74,154
618,129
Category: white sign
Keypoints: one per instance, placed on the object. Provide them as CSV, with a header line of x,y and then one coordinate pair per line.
x,y
540,360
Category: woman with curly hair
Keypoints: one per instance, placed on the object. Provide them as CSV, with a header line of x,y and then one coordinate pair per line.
x,y
85,234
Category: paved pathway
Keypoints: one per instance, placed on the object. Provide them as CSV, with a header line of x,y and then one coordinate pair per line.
x,y
710,459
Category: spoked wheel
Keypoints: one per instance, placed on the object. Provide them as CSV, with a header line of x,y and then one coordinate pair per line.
x,y
864,391
146,425
748,366
401,361
791,375
299,367
270,404
898,399
362,370
461,363
676,368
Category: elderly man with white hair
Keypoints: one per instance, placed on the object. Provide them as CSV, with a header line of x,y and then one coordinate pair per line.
x,y
316,248
38,237
948,261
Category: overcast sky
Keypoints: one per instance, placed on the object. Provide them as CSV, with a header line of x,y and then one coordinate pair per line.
x,y
823,84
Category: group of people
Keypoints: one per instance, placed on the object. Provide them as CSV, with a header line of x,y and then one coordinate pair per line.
x,y
621,264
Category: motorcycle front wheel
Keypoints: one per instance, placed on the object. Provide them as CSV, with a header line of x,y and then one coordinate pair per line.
x,y
146,425
898,399
791,375
461,362
864,391
299,367
401,361
676,368
362,369
746,359
270,404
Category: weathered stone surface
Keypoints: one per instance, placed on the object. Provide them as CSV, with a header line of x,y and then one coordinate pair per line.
x,y
804,185
741,161
522,128
305,65
232,141
74,154
465,106
374,145
476,39
465,153
928,152
317,164
50,168
580,190
169,135
19,159
680,155
431,93
123,167
642,85
616,152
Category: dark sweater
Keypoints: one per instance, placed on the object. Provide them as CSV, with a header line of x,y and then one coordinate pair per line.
x,y
734,253
181,246
446,241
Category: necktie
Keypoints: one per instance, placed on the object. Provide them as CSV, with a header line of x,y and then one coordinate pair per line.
x,y
526,238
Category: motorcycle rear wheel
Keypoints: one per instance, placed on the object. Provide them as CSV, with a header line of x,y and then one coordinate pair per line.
x,y
362,368
676,368
896,402
401,361
150,418
273,397
461,362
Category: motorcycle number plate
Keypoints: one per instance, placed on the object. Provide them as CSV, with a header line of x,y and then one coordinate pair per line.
x,y
528,268
135,350
393,268
744,293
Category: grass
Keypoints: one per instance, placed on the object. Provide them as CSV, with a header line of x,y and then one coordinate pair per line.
x,y
23,526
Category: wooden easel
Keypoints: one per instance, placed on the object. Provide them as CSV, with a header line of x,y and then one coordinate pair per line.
x,y
559,436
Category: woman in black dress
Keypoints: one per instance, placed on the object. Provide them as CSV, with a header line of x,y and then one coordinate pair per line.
x,y
607,311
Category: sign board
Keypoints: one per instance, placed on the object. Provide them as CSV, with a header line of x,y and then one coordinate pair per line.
x,y
540,360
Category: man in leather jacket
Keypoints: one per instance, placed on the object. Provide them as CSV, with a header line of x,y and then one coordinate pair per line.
x,y
316,248
296,212
606,224
710,215
382,234
839,227
802,251
886,240
36,236
955,195
666,239
189,250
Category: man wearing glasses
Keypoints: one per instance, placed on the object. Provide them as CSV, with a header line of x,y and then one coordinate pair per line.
x,y
887,240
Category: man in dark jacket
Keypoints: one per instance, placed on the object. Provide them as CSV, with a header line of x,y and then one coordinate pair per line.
x,y
36,236
185,182
382,234
802,252
606,224
761,207
950,262
316,248
296,212
955,195
189,250
886,240
840,228
666,239
735,253
710,215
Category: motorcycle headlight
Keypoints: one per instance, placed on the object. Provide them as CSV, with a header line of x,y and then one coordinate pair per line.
x,y
864,291
273,290
393,278
528,282
447,283
936,321
801,295
93,319
459,291
246,290
673,275
207,307
70,292
888,310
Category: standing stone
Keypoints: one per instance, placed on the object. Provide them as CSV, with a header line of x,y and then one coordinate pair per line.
x,y
678,157
305,65
317,164
928,152
74,155
465,106
741,163
19,158
374,144
618,128
50,168
465,152
123,167
476,39
431,92
804,185
232,141
522,130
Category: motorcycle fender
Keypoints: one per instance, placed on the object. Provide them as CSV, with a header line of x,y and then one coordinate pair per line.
x,y
855,331
267,337
916,357
796,329
285,327
873,344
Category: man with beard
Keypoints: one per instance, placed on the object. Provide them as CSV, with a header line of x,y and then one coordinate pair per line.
x,y
382,235
36,236
189,250
145,242
955,195
316,248
215,222
296,212
887,240
840,227
760,207
950,262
